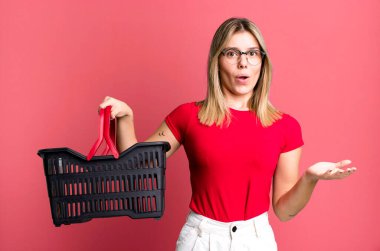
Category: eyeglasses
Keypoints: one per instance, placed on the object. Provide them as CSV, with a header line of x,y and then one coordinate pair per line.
x,y
233,55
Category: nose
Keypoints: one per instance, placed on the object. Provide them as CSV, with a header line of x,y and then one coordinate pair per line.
x,y
243,61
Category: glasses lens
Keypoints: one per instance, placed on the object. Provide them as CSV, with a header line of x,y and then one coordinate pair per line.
x,y
232,56
254,57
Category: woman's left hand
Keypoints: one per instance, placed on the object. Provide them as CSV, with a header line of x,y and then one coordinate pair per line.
x,y
330,170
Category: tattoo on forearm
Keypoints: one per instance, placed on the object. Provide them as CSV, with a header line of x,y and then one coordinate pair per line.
x,y
161,133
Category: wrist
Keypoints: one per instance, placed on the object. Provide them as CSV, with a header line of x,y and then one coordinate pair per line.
x,y
309,177
125,119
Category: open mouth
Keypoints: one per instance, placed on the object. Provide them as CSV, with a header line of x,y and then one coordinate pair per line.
x,y
242,77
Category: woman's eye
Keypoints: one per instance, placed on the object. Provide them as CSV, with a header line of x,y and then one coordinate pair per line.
x,y
231,54
252,53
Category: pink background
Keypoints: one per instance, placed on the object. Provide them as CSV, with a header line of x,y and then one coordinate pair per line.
x,y
58,59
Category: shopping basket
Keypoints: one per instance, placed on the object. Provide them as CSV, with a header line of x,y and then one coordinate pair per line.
x,y
81,188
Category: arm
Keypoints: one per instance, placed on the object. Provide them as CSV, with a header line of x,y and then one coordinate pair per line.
x,y
126,136
290,193
163,133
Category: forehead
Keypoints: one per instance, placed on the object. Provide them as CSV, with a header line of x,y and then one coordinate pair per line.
x,y
242,40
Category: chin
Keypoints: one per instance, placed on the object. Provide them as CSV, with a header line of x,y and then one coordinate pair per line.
x,y
243,91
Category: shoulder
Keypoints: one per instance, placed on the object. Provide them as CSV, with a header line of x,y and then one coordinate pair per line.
x,y
287,120
288,124
183,110
291,131
179,118
186,108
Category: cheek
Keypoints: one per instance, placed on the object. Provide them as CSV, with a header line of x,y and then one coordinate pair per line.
x,y
256,74
225,69
256,71
225,76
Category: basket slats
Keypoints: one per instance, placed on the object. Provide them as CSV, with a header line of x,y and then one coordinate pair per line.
x,y
132,185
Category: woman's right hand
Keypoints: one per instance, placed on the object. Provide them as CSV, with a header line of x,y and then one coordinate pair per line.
x,y
119,109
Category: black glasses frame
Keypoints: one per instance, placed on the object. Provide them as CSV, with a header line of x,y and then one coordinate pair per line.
x,y
243,52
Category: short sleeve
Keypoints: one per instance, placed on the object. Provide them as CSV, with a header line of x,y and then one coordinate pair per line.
x,y
292,134
177,121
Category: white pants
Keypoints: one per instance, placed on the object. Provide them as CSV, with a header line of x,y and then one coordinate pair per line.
x,y
203,234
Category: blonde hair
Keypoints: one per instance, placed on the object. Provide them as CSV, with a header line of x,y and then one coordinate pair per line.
x,y
214,108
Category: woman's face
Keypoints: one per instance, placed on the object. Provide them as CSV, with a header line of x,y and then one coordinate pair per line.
x,y
239,79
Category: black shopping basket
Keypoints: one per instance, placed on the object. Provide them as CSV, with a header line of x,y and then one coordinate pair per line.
x,y
132,184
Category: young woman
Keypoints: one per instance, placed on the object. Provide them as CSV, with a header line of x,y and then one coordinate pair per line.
x,y
236,143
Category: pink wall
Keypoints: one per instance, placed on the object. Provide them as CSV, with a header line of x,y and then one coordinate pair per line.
x,y
58,59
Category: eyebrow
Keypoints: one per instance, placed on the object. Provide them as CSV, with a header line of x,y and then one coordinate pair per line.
x,y
251,48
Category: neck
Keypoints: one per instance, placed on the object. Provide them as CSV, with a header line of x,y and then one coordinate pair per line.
x,y
238,102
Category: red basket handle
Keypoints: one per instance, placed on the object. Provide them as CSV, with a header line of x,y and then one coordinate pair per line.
x,y
104,133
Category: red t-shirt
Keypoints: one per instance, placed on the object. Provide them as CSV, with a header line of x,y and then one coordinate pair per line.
x,y
231,168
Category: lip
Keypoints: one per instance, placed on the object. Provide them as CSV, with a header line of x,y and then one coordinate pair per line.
x,y
242,78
